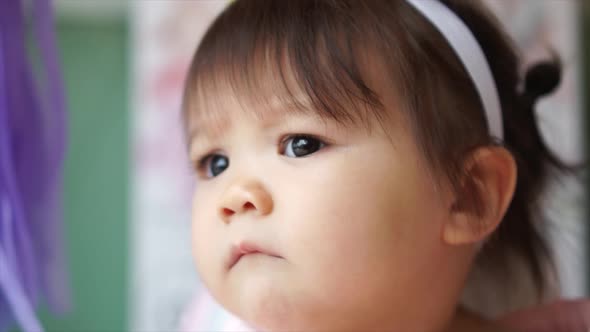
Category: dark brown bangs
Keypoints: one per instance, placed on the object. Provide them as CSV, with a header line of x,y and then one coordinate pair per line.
x,y
297,53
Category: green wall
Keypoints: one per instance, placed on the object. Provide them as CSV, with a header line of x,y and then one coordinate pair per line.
x,y
94,60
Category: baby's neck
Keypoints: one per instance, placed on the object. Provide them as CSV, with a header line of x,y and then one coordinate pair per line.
x,y
467,321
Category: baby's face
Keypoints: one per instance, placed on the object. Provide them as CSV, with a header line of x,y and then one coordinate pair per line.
x,y
309,225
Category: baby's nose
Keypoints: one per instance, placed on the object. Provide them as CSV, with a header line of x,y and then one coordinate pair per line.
x,y
243,197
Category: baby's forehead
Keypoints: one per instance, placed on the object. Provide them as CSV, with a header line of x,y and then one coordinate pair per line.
x,y
214,115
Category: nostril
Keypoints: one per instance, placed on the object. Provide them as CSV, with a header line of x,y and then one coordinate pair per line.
x,y
227,212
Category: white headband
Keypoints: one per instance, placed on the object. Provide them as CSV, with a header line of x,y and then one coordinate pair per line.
x,y
468,50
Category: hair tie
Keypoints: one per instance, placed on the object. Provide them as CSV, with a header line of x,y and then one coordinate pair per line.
x,y
541,79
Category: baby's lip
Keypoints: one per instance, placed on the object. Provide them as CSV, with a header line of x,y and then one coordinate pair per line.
x,y
242,248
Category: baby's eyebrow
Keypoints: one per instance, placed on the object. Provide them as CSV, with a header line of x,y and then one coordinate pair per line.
x,y
275,113
203,130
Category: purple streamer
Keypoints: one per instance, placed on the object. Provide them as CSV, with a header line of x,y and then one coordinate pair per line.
x,y
15,235
15,299
32,150
19,303
55,282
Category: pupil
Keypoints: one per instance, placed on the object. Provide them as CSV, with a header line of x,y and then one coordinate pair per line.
x,y
218,165
304,145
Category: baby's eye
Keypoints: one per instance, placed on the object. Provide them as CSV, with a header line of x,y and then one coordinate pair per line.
x,y
212,165
301,145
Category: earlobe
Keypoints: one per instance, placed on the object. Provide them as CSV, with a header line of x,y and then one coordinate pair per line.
x,y
486,193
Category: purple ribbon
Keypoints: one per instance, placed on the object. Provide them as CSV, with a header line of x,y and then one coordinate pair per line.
x,y
32,149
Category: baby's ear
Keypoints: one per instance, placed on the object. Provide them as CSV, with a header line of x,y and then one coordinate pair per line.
x,y
486,191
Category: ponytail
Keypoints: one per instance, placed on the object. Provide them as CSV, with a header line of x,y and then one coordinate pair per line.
x,y
516,267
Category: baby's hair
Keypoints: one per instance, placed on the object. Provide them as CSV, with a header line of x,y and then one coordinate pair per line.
x,y
333,51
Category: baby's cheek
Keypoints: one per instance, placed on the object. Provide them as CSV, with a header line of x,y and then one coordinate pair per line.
x,y
203,240
199,248
330,254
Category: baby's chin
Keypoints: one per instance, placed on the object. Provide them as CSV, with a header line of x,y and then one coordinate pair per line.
x,y
281,307
271,302
259,291
270,308
276,315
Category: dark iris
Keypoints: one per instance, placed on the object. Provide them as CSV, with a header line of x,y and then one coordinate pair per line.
x,y
303,145
217,165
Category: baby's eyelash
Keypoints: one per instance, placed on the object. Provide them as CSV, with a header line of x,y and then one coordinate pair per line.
x,y
198,163
201,165
285,138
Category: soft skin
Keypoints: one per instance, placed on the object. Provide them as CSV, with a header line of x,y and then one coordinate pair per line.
x,y
367,240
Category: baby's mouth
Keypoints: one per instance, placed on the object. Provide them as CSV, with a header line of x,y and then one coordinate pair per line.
x,y
244,248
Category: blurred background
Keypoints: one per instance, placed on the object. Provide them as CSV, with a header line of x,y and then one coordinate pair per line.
x,y
127,181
